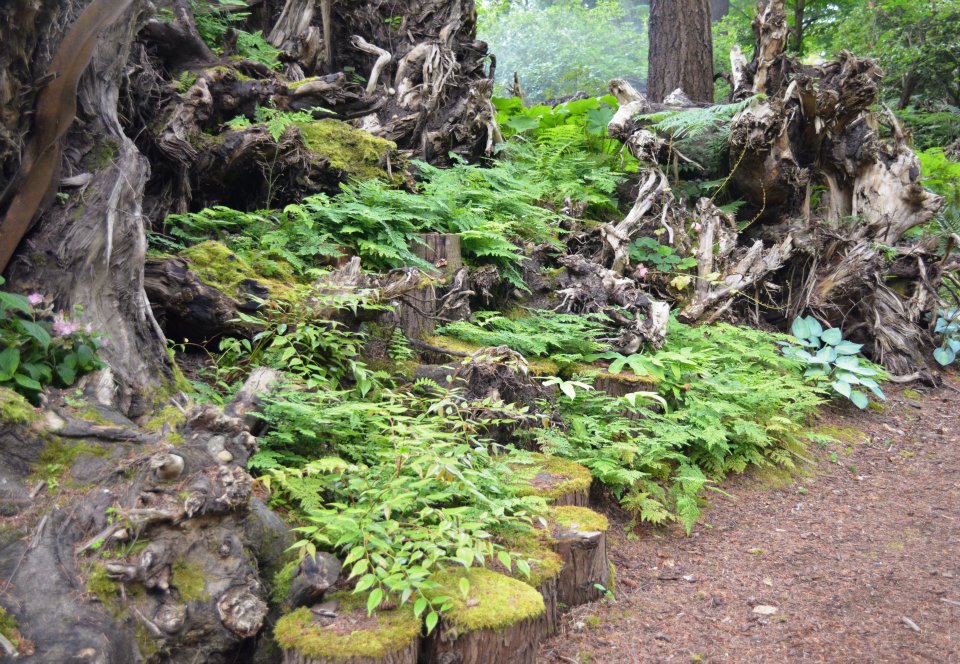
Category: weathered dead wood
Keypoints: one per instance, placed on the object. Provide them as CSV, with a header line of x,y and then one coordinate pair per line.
x,y
184,306
587,287
441,250
513,644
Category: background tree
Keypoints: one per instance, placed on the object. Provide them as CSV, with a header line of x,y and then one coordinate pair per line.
x,y
681,49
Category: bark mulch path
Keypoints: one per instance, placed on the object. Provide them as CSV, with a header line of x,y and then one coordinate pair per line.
x,y
857,560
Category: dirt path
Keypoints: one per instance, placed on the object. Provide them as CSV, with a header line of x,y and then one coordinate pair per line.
x,y
860,558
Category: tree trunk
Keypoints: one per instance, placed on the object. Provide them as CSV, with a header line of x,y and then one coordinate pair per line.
x,y
799,9
88,251
681,49
719,9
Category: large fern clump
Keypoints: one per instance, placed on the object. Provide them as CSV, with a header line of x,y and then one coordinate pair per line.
x,y
538,333
732,400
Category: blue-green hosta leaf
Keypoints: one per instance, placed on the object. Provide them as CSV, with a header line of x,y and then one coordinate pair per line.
x,y
816,329
853,364
848,348
826,354
859,399
833,336
842,387
944,356
800,329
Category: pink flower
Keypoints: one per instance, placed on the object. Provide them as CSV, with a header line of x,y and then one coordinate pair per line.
x,y
641,271
63,327
34,299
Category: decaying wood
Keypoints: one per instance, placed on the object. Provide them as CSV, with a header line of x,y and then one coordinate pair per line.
x,y
585,565
184,306
513,644
587,287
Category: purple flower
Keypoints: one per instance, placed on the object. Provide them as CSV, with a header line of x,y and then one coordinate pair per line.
x,y
63,327
641,271
34,299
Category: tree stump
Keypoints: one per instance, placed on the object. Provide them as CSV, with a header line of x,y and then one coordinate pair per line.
x,y
417,311
558,481
536,548
622,384
441,250
339,631
581,542
503,620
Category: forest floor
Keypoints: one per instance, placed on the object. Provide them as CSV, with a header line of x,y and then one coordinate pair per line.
x,y
855,559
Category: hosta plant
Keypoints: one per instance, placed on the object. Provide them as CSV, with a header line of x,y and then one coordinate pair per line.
x,y
833,361
948,327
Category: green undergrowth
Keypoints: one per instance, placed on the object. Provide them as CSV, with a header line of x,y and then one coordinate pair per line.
x,y
726,399
393,630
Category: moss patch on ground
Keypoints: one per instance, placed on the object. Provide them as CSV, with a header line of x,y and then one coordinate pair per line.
x,y
391,631
168,415
358,153
558,477
494,602
578,518
849,435
15,409
189,580
104,588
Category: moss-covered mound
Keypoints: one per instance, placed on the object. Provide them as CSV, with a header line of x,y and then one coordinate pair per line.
x,y
494,602
14,409
578,518
551,477
357,153
352,633
222,269
539,366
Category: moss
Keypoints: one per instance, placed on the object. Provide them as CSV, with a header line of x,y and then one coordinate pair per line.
x,y
168,415
539,366
104,588
534,546
612,583
91,414
9,627
571,477
148,646
281,582
394,631
578,518
217,266
912,395
58,453
102,154
189,580
14,409
494,602
355,152
849,435
296,84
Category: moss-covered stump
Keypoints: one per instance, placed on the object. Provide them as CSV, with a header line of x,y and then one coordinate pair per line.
x,y
502,620
339,631
622,384
442,250
536,548
580,537
556,480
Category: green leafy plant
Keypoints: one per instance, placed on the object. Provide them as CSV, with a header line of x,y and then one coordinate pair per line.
x,y
728,399
833,361
947,325
41,347
215,18
400,486
648,251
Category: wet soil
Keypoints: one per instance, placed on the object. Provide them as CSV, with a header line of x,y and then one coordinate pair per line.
x,y
856,559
